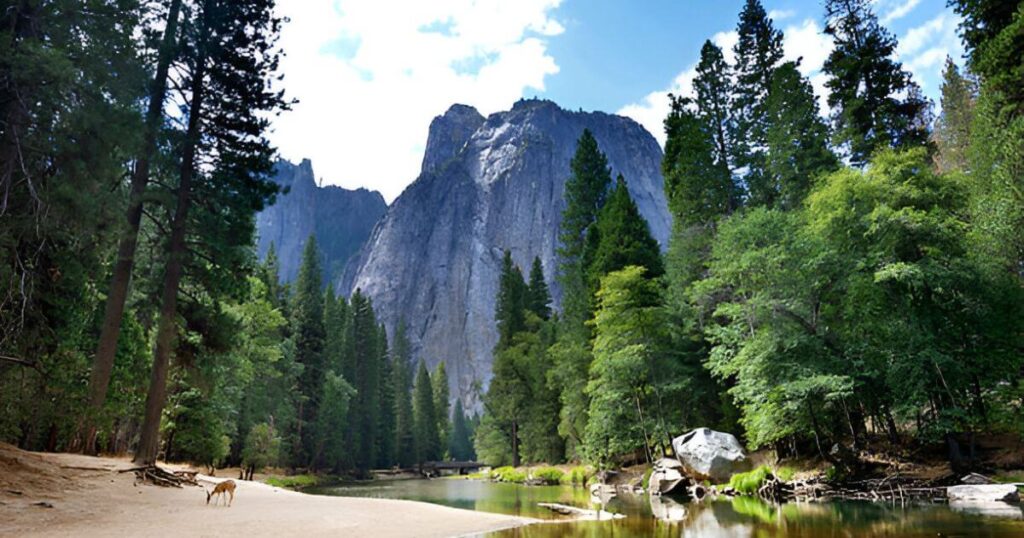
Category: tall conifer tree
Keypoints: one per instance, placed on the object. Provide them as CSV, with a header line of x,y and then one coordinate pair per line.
x,y
425,435
875,104
798,150
538,298
714,88
441,406
758,53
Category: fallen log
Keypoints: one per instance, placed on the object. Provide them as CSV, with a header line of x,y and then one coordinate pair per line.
x,y
580,513
160,477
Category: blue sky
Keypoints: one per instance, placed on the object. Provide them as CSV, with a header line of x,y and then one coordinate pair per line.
x,y
371,74
614,53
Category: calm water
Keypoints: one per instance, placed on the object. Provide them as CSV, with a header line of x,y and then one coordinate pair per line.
x,y
739,518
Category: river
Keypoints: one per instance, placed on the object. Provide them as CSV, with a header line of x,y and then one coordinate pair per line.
x,y
735,518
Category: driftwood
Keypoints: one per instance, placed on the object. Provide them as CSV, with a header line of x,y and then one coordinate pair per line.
x,y
889,489
160,477
580,513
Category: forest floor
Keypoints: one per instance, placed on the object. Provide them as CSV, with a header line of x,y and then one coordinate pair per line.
x,y
73,495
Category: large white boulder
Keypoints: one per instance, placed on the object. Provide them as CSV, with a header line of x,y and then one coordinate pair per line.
x,y
983,493
707,454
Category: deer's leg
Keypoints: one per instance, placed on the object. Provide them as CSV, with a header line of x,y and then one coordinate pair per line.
x,y
232,493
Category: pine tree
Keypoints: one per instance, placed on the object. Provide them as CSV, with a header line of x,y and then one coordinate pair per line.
x,y
511,302
308,337
758,53
623,239
538,297
442,408
460,445
386,435
585,194
714,88
363,367
991,30
798,150
425,435
224,165
875,104
402,381
699,189
953,129
103,362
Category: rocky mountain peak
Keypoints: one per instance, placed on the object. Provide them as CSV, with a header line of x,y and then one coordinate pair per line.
x,y
340,219
433,260
448,134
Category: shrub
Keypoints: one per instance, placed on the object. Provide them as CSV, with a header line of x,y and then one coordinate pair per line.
x,y
549,475
508,474
578,476
748,483
647,477
293,482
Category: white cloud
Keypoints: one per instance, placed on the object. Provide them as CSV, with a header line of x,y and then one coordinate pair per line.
x,y
371,75
652,110
805,41
924,48
781,14
899,11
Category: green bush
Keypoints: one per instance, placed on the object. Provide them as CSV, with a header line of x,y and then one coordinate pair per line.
x,y
578,476
785,473
293,482
647,477
748,483
550,475
508,474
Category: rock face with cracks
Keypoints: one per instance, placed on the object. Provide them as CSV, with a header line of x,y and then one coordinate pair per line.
x,y
340,219
488,185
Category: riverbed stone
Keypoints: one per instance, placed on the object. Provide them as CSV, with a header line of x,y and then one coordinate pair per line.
x,y
984,493
706,454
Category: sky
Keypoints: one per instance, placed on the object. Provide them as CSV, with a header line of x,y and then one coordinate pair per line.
x,y
370,75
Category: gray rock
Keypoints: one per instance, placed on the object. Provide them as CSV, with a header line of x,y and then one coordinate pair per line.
x,y
984,493
448,135
710,455
434,258
975,479
666,481
340,219
667,477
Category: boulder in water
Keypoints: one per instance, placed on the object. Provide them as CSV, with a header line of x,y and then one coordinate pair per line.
x,y
667,477
707,454
984,493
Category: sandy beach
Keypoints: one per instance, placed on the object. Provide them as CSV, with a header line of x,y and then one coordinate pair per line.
x,y
73,495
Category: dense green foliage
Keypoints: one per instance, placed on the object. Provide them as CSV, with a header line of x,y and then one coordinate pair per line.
x,y
800,303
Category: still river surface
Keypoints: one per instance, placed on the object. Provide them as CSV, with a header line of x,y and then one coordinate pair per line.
x,y
735,518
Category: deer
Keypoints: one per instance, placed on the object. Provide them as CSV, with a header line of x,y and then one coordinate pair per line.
x,y
227,486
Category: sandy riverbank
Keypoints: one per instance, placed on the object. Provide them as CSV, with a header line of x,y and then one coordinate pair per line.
x,y
90,498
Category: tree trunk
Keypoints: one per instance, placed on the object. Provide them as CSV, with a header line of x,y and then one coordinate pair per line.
x,y
515,444
106,349
167,326
24,26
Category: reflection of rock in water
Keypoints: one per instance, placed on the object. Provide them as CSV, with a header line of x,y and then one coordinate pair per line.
x,y
705,521
666,509
989,509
